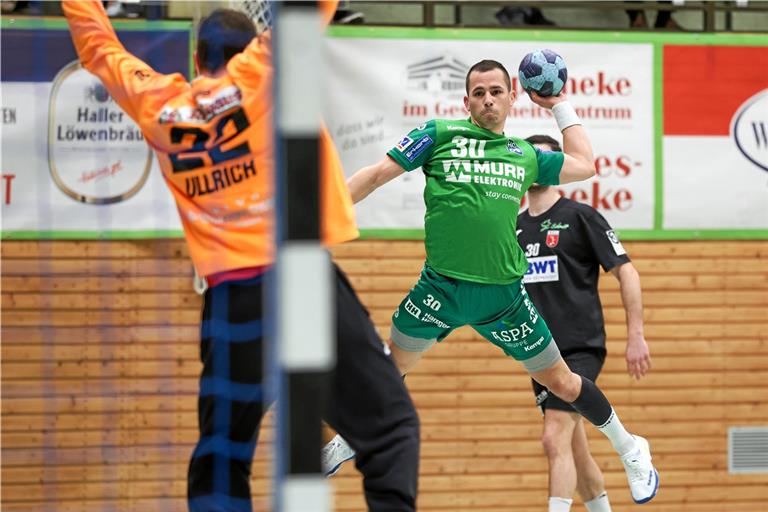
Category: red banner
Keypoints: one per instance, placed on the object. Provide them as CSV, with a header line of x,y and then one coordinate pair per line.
x,y
705,85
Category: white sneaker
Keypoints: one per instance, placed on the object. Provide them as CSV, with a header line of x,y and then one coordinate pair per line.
x,y
643,477
334,454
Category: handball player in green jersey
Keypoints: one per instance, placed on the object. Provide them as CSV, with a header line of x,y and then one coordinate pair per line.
x,y
476,176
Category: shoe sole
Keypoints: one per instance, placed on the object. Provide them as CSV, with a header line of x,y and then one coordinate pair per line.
x,y
335,469
655,490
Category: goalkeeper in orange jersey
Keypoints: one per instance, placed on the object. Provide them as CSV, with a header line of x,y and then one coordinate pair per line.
x,y
214,142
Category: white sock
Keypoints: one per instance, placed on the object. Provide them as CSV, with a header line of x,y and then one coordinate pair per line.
x,y
559,504
622,441
598,504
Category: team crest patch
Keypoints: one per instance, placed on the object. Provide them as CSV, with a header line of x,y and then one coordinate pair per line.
x,y
514,148
404,143
553,237
615,242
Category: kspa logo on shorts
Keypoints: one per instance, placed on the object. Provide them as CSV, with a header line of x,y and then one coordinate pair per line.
x,y
749,129
96,153
443,75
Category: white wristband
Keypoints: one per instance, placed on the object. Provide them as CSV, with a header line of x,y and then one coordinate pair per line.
x,y
565,115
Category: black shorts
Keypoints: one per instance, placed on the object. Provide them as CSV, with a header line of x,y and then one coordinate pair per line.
x,y
586,363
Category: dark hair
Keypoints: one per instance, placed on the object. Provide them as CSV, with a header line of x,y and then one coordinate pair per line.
x,y
221,35
488,65
545,139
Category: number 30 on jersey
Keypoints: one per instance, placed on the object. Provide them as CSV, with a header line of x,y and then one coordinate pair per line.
x,y
465,147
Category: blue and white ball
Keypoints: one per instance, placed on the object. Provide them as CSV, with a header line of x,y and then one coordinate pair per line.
x,y
543,71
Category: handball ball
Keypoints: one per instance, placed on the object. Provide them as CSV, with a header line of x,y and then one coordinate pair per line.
x,y
543,71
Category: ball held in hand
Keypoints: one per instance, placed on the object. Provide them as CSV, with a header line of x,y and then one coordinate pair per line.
x,y
543,71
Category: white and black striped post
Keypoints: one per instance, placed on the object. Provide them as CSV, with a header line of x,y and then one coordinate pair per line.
x,y
305,341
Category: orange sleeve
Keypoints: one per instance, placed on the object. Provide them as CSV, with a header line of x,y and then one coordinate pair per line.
x,y
137,88
327,10
338,214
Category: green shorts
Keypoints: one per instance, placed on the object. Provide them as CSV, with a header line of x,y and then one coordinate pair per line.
x,y
502,314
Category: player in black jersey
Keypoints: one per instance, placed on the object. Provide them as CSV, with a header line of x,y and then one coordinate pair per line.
x,y
566,243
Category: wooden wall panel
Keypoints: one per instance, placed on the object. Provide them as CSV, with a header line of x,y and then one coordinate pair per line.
x,y
100,367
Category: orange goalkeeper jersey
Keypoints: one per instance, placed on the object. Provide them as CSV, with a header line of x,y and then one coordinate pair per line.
x,y
214,142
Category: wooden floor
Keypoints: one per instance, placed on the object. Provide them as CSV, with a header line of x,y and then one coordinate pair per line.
x,y
100,367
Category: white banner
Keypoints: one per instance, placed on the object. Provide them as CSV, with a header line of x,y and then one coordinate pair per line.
x,y
73,163
77,162
380,89
715,138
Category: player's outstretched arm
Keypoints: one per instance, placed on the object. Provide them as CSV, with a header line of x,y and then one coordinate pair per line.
x,y
127,78
579,162
369,178
637,354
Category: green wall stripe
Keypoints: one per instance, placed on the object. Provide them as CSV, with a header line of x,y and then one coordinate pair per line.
x,y
193,49
91,235
546,35
694,234
392,234
658,136
626,234
61,24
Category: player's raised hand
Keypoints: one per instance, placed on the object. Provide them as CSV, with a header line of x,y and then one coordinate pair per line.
x,y
638,357
547,101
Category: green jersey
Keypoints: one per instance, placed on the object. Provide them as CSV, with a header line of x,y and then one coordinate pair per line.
x,y
476,180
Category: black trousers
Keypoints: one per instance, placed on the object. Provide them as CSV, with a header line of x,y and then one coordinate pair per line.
x,y
369,405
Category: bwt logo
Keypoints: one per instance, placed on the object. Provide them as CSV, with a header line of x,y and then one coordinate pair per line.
x,y
442,75
749,129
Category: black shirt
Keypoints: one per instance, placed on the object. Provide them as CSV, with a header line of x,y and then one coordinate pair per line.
x,y
565,247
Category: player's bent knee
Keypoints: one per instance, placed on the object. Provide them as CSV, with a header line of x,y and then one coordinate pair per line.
x,y
564,384
560,381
